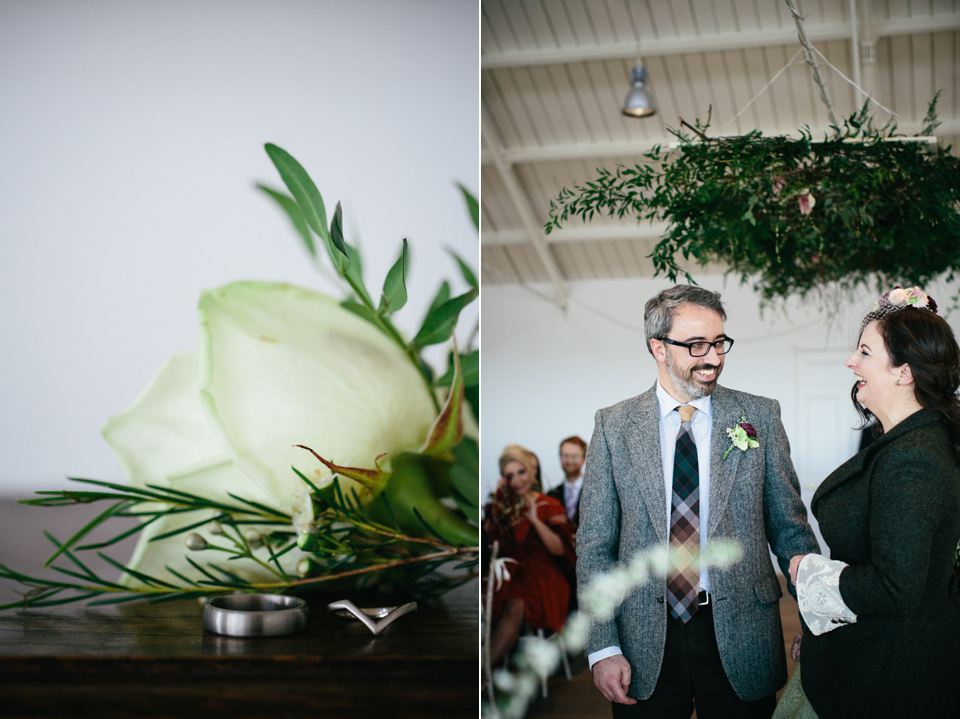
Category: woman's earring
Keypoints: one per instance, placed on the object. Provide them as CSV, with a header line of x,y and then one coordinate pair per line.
x,y
898,381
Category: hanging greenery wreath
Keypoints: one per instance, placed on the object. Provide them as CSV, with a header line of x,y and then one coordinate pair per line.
x,y
792,216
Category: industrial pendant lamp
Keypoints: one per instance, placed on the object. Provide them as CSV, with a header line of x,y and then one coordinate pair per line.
x,y
638,102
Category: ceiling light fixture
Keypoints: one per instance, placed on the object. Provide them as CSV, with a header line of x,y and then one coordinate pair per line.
x,y
638,102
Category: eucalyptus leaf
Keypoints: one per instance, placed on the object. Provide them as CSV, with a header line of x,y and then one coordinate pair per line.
x,y
362,311
465,270
289,205
472,205
336,229
394,295
470,364
441,320
302,188
443,294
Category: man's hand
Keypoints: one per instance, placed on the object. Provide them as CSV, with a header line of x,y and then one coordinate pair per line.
x,y
612,678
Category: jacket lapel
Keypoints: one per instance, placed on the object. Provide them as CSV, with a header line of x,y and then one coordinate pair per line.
x,y
644,443
726,412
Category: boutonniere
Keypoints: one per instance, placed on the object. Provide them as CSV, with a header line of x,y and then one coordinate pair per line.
x,y
743,436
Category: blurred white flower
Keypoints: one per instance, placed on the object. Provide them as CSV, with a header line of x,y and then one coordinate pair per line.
x,y
576,631
541,655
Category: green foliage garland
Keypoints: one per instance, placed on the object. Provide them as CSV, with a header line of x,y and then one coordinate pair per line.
x,y
792,215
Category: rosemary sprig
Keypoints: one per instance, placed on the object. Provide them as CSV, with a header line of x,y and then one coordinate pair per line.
x,y
348,545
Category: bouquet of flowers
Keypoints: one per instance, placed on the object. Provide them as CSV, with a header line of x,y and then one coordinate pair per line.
x,y
307,445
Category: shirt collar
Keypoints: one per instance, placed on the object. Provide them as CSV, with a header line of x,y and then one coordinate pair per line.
x,y
668,403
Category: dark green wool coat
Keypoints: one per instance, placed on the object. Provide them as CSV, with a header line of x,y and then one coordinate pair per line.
x,y
892,513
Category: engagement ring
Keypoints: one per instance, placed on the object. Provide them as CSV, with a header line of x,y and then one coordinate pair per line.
x,y
386,615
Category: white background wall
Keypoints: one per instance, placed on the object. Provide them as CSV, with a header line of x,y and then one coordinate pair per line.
x,y
131,135
546,372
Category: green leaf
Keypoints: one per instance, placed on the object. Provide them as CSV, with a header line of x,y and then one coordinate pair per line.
x,y
394,294
145,578
301,187
123,535
117,600
86,528
362,311
472,205
465,270
441,320
470,364
336,230
289,205
464,475
447,430
443,294
409,501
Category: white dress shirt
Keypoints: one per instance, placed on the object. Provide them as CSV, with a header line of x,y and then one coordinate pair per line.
x,y
701,427
571,495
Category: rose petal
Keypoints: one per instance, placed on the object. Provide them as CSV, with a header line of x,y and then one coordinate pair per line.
x,y
164,439
285,366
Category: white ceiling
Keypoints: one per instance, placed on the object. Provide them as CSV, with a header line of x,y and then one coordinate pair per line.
x,y
554,74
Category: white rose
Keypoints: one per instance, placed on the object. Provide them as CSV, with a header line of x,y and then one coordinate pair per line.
x,y
279,366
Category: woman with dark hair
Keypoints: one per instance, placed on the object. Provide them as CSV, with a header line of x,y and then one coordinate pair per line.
x,y
533,531
883,613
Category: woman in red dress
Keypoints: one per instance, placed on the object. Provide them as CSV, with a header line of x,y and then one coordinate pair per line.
x,y
533,530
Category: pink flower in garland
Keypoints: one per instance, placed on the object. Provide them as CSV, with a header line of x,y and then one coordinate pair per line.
x,y
807,201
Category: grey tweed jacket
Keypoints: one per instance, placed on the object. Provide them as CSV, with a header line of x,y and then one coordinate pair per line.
x,y
754,499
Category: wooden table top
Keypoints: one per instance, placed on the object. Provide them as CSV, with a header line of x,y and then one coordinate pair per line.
x,y
158,661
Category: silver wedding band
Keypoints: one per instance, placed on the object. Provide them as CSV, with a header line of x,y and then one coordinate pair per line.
x,y
255,615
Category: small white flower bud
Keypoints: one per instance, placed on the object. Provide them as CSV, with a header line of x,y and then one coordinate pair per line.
x,y
253,538
303,567
195,542
310,528
215,528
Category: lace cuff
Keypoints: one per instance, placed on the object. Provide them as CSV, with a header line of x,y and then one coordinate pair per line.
x,y
818,594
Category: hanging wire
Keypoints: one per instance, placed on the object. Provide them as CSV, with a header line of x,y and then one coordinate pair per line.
x,y
855,85
793,61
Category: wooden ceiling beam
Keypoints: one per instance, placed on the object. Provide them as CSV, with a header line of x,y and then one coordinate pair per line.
x,y
629,150
531,228
630,230
659,47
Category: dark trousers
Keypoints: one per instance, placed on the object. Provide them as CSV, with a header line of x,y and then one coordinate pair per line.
x,y
692,673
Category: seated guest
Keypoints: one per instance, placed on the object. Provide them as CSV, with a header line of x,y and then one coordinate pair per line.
x,y
573,453
533,530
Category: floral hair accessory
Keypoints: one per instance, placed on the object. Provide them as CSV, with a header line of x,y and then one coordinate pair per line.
x,y
743,436
899,298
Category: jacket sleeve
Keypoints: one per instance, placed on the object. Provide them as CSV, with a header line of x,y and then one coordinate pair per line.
x,y
598,536
905,507
785,516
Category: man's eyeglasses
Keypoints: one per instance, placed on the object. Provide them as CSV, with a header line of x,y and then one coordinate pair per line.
x,y
702,349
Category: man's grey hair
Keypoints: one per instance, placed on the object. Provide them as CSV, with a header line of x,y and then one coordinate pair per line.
x,y
660,310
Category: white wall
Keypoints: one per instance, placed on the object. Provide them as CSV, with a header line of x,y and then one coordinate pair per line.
x,y
546,372
131,134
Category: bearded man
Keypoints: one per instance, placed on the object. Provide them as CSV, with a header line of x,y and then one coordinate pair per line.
x,y
685,463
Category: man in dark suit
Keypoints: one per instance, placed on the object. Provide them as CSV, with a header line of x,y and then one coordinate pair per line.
x,y
573,453
686,462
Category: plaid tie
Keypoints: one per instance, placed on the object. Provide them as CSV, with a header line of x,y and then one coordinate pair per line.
x,y
684,577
